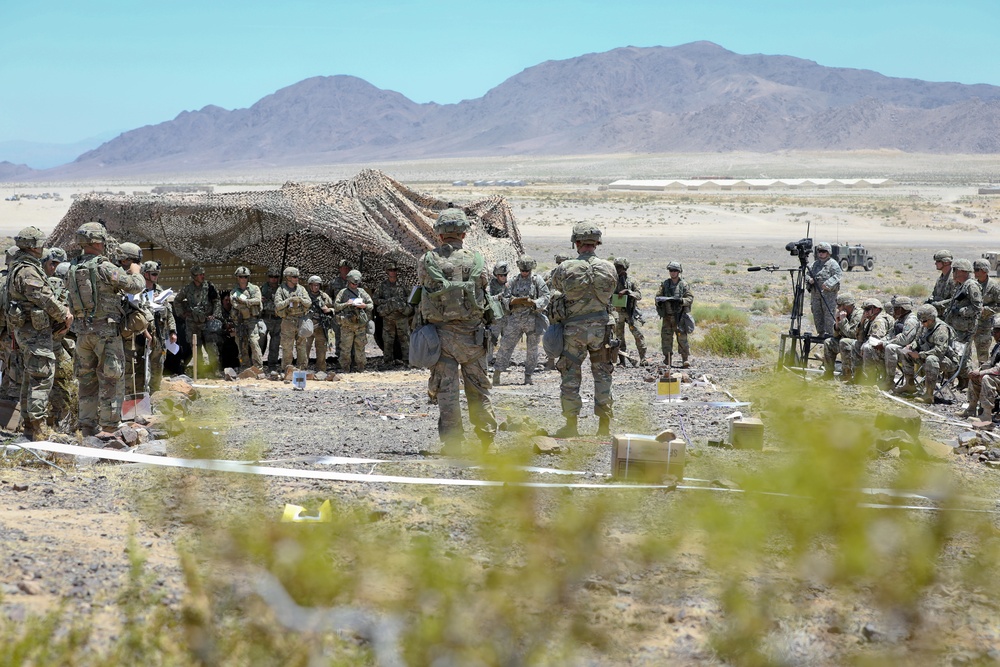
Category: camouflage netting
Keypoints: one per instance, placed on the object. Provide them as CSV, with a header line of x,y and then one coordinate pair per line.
x,y
370,219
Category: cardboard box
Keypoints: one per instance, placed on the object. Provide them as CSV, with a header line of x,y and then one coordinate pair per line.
x,y
643,458
746,433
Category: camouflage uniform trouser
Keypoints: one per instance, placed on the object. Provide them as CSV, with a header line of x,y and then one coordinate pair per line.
x,y
249,343
983,391
10,387
393,329
522,321
63,397
669,329
134,348
984,341
463,351
824,310
579,339
933,368
621,319
353,338
893,358
842,346
869,358
292,341
100,367
321,338
38,361
271,339
208,342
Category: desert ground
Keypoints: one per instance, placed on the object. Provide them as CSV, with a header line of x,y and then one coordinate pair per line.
x,y
771,557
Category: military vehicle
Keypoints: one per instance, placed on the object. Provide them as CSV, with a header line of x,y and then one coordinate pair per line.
x,y
850,256
993,257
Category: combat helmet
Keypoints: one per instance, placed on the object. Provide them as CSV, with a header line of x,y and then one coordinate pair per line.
x,y
962,265
845,299
981,265
354,276
290,272
871,303
273,272
241,272
526,263
30,238
62,270
621,262
197,269
345,262
675,266
586,231
824,246
91,232
151,266
130,251
451,221
926,312
500,269
996,322
943,256
560,258
315,280
56,255
904,302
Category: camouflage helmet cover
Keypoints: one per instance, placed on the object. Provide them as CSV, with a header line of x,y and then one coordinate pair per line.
x,y
354,276
451,221
981,265
91,232
996,322
273,272
622,262
824,246
943,256
561,258
151,266
500,269
392,266
962,265
526,263
62,269
585,231
926,312
290,272
345,262
30,238
871,303
315,280
242,272
675,266
55,255
845,299
904,302
197,269
130,251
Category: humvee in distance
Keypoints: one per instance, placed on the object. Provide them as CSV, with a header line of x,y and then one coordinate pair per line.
x,y
993,258
850,256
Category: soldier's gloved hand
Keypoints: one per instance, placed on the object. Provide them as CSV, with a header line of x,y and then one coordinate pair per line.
x,y
67,323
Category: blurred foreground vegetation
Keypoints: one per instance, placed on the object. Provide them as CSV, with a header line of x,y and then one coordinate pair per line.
x,y
796,569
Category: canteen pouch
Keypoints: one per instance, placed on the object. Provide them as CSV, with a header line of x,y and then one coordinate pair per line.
x,y
39,319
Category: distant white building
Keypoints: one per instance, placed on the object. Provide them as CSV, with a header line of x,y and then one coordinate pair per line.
x,y
727,184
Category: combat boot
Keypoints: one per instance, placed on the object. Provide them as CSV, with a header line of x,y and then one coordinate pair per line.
x,y
827,374
496,378
846,375
569,430
970,411
928,396
40,431
604,427
527,378
684,363
667,360
907,387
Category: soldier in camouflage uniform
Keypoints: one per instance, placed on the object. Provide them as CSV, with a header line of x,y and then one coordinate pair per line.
x,y
454,301
271,338
136,327
391,300
983,382
524,302
845,329
875,326
10,386
33,313
933,348
496,288
966,305
353,306
823,283
164,326
628,290
904,330
51,258
63,398
291,303
321,314
945,287
199,306
338,283
581,301
248,303
990,288
96,286
673,300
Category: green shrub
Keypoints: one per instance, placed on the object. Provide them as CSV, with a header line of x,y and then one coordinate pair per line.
x,y
728,340
762,306
722,314
916,290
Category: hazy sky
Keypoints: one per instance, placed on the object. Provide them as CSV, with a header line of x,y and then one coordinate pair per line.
x,y
73,69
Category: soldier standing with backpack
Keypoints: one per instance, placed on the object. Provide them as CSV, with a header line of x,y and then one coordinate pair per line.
x,y
454,301
96,286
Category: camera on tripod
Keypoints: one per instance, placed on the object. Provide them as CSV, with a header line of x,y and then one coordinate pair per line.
x,y
800,248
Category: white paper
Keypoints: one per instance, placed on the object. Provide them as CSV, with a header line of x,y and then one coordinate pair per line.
x,y
172,348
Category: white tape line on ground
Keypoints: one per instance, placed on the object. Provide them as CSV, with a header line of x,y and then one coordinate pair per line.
x,y
230,466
